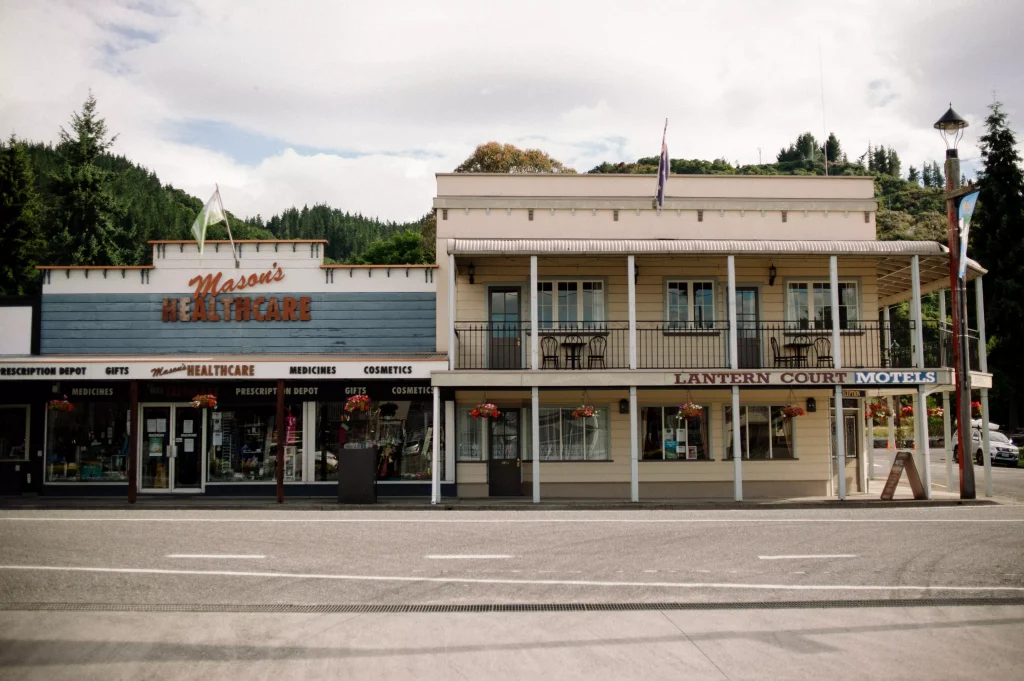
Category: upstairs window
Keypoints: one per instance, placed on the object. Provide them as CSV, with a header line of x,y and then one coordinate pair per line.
x,y
570,304
690,304
809,304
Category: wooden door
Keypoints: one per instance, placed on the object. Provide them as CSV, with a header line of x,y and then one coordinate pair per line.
x,y
504,468
504,329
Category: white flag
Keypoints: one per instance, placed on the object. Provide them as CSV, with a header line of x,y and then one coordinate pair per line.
x,y
211,214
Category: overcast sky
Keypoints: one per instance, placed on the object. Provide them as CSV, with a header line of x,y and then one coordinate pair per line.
x,y
357,104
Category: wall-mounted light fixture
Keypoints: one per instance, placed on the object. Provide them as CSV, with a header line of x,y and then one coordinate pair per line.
x,y
772,273
623,406
636,273
472,273
812,406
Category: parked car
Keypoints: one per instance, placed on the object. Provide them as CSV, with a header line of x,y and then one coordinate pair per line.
x,y
1001,448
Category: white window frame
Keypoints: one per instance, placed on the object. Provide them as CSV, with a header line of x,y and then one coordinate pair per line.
x,y
557,323
603,411
462,411
689,323
851,321
708,411
727,433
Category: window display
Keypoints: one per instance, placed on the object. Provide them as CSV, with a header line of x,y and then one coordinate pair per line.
x,y
88,443
469,436
401,431
243,443
565,438
668,435
765,433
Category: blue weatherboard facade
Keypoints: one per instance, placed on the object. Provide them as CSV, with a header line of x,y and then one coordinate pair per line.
x,y
119,324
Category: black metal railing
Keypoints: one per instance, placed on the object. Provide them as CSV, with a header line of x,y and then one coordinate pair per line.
x,y
703,345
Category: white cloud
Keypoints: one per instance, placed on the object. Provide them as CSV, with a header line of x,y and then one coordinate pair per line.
x,y
410,88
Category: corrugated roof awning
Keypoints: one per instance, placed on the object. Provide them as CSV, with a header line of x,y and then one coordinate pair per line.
x,y
893,256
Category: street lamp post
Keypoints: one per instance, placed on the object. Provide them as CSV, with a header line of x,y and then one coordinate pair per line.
x,y
951,127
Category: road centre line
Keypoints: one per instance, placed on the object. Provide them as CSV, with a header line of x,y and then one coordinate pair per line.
x,y
537,582
493,556
810,555
215,555
506,521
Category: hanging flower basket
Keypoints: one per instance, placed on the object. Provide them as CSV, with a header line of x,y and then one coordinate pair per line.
x,y
907,411
976,409
204,401
935,412
485,410
357,403
878,412
584,411
61,405
792,411
689,410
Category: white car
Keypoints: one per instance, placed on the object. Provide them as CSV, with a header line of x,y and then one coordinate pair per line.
x,y
1002,450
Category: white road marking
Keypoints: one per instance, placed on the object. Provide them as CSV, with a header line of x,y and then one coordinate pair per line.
x,y
215,555
810,555
538,582
493,556
508,521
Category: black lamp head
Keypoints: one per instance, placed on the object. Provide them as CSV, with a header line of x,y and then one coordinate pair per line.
x,y
951,127
472,273
772,273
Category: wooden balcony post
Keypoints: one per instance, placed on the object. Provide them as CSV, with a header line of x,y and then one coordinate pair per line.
x,y
631,282
534,320
451,311
634,447
837,363
979,299
535,440
435,451
921,406
734,364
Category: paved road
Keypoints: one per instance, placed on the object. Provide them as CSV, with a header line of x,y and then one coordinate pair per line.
x,y
1007,482
732,566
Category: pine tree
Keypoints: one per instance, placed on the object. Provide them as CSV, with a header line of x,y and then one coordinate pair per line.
x,y
926,175
88,222
938,179
997,242
913,175
20,216
892,162
833,151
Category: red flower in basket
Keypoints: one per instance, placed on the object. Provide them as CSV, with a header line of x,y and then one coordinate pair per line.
x,y
357,403
792,411
907,410
976,409
878,411
689,410
61,405
204,401
485,410
584,411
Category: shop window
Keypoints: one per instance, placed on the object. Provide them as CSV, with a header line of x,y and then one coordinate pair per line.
x,y
564,438
666,436
13,433
88,444
469,436
809,304
243,443
402,431
765,433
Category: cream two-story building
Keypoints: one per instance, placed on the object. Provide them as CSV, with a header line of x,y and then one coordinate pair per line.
x,y
698,333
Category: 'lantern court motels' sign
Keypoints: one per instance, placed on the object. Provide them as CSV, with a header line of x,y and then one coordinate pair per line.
x,y
805,378
209,302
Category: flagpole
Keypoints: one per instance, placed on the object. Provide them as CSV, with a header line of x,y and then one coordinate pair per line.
x,y
220,202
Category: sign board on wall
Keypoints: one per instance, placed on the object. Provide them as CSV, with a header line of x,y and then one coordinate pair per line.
x,y
791,378
210,301
228,369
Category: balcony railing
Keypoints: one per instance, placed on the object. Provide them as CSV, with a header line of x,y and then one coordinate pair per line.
x,y
702,345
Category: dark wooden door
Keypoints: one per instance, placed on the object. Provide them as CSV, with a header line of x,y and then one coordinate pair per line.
x,y
748,338
505,351
504,467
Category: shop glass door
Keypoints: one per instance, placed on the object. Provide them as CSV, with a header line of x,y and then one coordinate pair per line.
x,y
748,342
155,451
171,451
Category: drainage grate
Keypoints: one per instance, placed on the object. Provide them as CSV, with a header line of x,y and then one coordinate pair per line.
x,y
506,607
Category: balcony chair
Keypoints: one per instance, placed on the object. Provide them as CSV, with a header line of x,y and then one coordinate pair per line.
x,y
595,353
549,352
823,352
784,361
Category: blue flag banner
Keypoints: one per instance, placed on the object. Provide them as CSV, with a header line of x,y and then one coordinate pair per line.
x,y
663,169
966,210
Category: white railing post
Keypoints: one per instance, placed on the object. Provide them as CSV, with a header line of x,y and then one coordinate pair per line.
x,y
921,408
634,447
535,441
534,321
451,311
734,364
436,455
